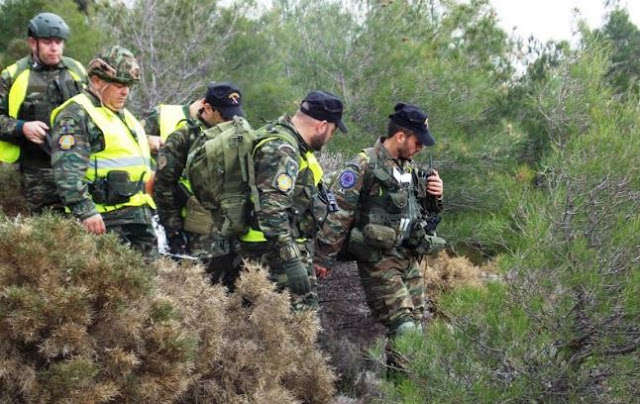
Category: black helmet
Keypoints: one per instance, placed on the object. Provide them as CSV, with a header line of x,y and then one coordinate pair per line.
x,y
48,25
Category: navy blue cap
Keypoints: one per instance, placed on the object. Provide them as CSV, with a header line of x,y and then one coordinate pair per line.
x,y
226,98
324,106
411,117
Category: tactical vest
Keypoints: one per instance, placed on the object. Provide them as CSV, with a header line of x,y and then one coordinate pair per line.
x,y
40,107
170,119
126,149
307,208
394,206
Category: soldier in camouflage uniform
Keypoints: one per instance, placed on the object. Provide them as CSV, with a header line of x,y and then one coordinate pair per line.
x,y
380,221
184,220
100,154
29,90
292,197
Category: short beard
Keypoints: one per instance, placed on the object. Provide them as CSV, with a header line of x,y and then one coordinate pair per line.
x,y
318,141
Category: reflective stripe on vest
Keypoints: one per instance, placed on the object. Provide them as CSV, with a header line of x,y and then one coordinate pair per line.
x,y
121,151
170,119
308,162
9,152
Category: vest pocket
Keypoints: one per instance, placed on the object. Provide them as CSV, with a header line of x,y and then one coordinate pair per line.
x,y
198,219
359,249
399,200
379,236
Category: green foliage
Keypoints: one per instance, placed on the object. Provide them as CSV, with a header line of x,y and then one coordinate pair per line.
x,y
84,39
562,327
624,38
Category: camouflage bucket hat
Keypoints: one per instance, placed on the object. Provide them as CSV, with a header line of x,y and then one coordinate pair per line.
x,y
116,64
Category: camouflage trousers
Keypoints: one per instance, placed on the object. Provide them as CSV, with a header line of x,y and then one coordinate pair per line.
x,y
394,289
267,255
40,191
134,227
218,256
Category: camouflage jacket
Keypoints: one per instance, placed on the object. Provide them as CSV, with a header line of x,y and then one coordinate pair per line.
x,y
172,160
381,194
288,195
70,166
48,87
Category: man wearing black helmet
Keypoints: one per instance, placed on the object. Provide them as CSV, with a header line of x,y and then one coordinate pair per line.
x,y
100,155
29,90
385,201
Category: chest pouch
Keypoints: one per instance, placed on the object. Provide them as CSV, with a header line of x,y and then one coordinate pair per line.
x,y
399,198
119,187
358,248
198,219
379,236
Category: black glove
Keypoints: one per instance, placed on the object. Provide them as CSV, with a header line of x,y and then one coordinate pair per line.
x,y
178,242
297,276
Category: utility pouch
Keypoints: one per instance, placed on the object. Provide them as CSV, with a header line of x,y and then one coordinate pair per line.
x,y
98,191
233,210
399,199
198,219
379,236
359,249
430,244
119,188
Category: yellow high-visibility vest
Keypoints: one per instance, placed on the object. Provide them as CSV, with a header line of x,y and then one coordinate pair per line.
x,y
19,73
170,119
122,150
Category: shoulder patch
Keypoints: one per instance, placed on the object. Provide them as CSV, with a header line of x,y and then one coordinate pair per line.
x,y
162,162
347,179
284,182
292,168
66,142
286,146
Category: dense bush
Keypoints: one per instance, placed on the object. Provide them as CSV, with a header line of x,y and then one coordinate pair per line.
x,y
84,319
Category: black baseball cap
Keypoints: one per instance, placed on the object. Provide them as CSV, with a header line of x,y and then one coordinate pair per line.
x,y
226,98
411,117
324,106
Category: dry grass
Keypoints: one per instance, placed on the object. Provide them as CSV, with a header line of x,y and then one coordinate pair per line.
x,y
83,319
444,273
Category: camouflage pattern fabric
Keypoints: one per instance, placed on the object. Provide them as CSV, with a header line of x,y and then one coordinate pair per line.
x,y
394,289
287,210
116,64
151,122
40,191
48,87
132,224
171,163
392,281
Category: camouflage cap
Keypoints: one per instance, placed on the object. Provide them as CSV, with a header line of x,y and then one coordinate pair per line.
x,y
115,64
